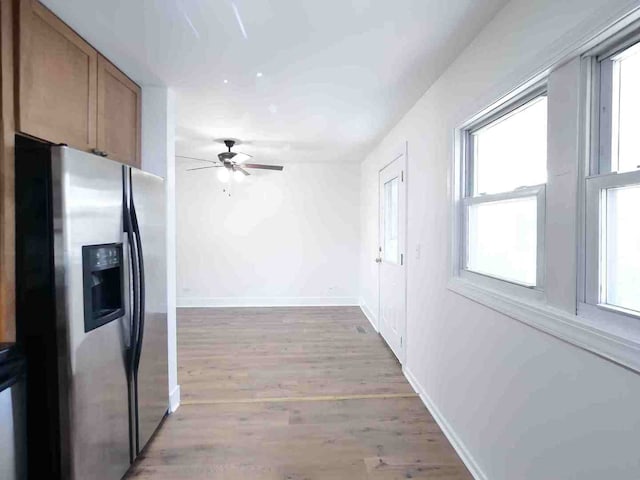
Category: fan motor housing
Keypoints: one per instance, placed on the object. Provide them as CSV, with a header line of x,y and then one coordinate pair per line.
x,y
226,155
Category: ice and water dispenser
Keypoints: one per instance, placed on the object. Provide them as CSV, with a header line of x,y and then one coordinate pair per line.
x,y
103,274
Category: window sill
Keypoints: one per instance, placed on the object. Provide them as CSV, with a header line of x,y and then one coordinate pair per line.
x,y
516,291
619,343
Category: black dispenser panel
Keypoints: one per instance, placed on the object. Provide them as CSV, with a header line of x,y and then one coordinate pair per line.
x,y
103,277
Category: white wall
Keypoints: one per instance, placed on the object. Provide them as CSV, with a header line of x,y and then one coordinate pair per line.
x,y
521,403
282,238
158,157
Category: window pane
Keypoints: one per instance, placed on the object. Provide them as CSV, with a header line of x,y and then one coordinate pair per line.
x,y
623,247
503,239
628,139
391,219
512,151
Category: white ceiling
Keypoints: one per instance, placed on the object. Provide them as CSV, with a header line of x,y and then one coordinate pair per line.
x,y
336,74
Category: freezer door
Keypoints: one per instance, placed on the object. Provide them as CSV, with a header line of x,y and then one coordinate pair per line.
x,y
149,199
87,204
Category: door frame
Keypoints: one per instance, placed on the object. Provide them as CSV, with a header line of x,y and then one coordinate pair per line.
x,y
401,150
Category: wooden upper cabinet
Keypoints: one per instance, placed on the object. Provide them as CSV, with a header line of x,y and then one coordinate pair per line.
x,y
69,93
57,80
119,113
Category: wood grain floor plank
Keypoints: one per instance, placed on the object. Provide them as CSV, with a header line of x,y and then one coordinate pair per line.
x,y
293,394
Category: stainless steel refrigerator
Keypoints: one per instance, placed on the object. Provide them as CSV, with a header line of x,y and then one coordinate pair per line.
x,y
91,309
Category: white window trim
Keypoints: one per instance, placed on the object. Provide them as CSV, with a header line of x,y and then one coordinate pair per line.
x,y
493,281
590,333
599,329
595,187
602,70
595,179
463,188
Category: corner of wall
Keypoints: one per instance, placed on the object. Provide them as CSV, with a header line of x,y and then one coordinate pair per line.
x,y
373,319
445,426
170,126
158,157
174,399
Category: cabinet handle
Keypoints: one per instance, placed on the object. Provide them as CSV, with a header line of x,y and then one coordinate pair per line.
x,y
95,151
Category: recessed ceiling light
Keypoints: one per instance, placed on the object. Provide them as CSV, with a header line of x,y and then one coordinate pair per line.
x,y
259,74
226,81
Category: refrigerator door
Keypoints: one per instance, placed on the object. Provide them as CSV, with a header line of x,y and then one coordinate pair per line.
x,y
148,193
13,465
87,210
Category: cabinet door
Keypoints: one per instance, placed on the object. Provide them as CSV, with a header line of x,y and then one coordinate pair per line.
x,y
7,199
119,113
57,79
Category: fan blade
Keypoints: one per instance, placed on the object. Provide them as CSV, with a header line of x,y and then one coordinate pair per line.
x,y
242,170
199,159
245,154
242,158
202,168
262,167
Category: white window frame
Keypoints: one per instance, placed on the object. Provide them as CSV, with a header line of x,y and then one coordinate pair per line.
x,y
608,333
467,199
602,71
600,176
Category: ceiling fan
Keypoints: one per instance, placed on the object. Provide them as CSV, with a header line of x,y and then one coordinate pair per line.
x,y
230,166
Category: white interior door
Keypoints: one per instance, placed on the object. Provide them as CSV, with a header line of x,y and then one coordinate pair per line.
x,y
391,258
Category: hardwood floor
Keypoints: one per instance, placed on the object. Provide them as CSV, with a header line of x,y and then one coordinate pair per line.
x,y
292,394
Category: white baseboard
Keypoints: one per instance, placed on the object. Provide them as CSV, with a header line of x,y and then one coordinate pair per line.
x,y
174,399
446,428
187,302
373,320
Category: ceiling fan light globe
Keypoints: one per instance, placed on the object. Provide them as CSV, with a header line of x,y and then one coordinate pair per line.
x,y
224,175
238,176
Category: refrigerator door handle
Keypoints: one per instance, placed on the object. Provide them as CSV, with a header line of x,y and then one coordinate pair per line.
x,y
135,309
141,282
141,305
133,261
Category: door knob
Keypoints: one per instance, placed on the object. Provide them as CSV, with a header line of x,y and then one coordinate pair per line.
x,y
378,260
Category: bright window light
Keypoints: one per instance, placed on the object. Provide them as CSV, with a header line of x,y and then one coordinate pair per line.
x,y
612,249
502,239
621,267
505,198
626,110
512,151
